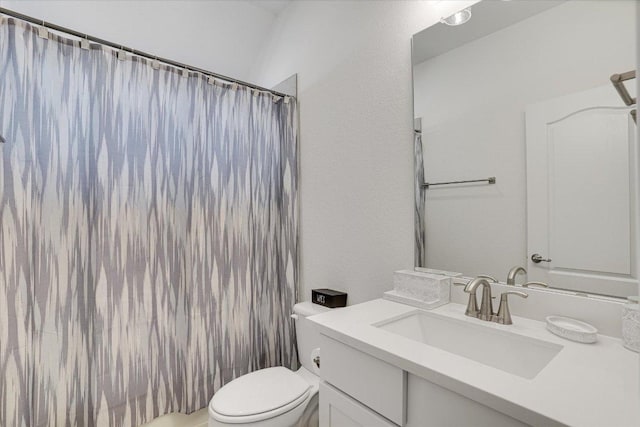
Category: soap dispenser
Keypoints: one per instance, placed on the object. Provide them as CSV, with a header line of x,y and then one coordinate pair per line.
x,y
631,324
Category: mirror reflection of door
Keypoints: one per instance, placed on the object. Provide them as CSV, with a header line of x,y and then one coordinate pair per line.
x,y
581,186
473,85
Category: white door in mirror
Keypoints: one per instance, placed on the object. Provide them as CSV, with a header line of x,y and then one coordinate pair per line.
x,y
581,186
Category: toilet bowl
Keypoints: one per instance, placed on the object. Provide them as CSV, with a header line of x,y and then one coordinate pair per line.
x,y
274,397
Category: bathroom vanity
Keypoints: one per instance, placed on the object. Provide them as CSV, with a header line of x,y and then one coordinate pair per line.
x,y
525,156
389,364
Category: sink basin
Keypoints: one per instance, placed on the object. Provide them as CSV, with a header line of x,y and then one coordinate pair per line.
x,y
509,352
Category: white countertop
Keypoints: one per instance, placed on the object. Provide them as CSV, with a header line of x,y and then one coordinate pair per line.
x,y
584,385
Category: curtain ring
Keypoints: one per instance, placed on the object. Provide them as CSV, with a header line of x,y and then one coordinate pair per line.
x,y
43,32
122,55
84,43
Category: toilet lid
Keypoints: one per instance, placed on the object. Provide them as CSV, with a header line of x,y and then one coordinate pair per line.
x,y
263,391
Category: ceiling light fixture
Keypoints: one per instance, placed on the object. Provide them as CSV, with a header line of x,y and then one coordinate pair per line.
x,y
457,18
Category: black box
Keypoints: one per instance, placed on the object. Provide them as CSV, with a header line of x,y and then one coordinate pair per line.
x,y
329,298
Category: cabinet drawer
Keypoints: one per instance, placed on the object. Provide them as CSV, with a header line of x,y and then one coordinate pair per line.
x,y
339,410
377,384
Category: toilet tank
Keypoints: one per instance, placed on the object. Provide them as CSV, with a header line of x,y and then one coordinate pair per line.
x,y
307,333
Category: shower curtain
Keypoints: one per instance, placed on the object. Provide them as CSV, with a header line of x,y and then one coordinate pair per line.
x,y
148,234
419,253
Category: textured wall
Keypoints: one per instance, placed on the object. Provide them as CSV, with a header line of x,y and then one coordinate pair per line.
x,y
353,60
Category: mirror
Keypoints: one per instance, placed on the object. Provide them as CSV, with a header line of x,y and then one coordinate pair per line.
x,y
520,101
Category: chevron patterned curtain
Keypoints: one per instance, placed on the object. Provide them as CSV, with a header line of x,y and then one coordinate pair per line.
x,y
148,234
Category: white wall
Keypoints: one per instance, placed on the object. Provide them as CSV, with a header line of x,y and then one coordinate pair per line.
x,y
221,36
353,60
472,101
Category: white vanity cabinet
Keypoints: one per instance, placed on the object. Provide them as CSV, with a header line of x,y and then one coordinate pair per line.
x,y
358,389
431,405
339,410
378,376
376,384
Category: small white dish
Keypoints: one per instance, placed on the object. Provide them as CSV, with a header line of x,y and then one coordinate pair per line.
x,y
572,329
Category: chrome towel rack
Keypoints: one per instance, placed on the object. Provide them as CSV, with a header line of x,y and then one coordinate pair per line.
x,y
490,180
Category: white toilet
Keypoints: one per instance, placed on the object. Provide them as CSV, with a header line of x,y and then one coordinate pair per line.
x,y
274,397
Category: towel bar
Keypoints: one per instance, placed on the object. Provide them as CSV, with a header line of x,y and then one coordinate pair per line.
x,y
490,180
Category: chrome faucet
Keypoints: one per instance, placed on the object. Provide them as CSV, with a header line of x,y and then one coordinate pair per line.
x,y
486,308
511,277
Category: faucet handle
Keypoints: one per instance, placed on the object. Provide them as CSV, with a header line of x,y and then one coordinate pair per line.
x,y
503,296
541,284
472,305
485,276
504,315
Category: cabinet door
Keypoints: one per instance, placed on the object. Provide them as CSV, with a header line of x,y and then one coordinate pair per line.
x,y
339,410
370,381
434,406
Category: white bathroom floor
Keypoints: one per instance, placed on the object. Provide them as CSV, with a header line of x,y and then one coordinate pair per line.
x,y
197,419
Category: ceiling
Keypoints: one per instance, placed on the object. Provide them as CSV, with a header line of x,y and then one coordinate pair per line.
x,y
273,6
487,17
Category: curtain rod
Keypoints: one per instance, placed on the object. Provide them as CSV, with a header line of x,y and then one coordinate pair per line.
x,y
136,52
